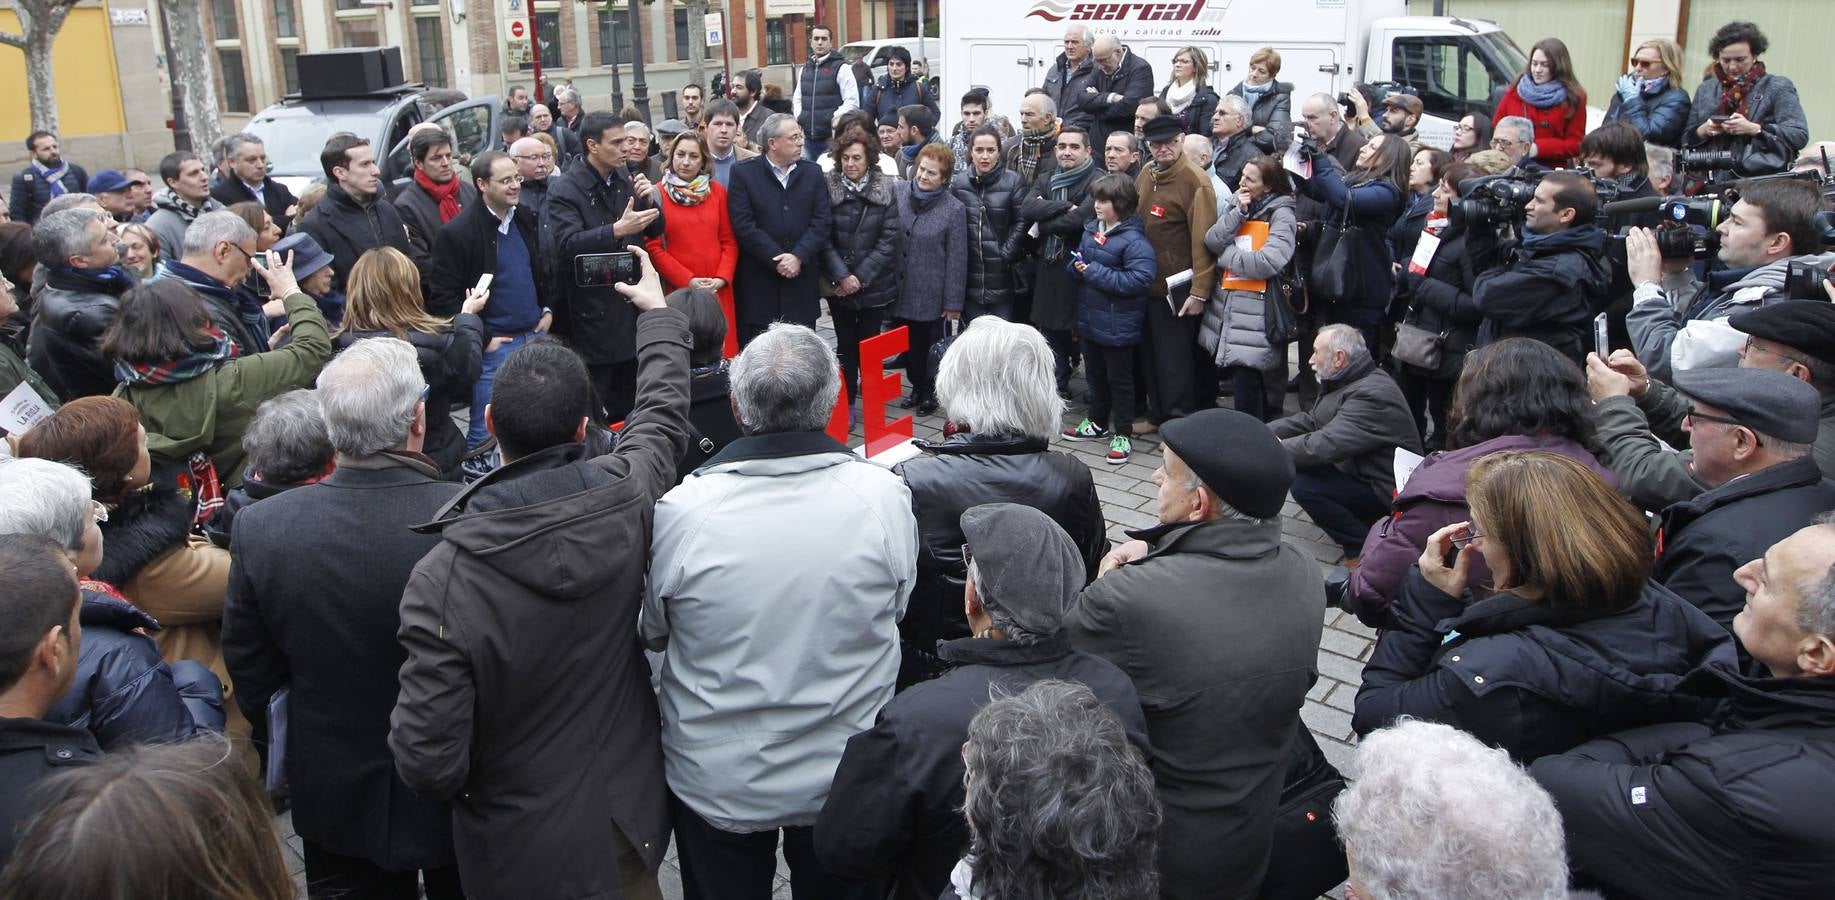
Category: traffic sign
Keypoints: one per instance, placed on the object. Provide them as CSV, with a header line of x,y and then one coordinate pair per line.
x,y
516,28
716,31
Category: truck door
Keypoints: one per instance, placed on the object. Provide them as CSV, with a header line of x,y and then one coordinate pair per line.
x,y
1007,68
1310,69
1453,77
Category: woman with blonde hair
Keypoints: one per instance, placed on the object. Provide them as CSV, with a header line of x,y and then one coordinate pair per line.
x,y
139,250
1576,642
1188,92
383,299
1648,97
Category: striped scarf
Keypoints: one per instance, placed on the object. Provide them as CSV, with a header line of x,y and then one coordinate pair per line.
x,y
1061,183
185,368
53,178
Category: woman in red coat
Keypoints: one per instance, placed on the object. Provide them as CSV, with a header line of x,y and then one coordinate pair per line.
x,y
1549,97
697,247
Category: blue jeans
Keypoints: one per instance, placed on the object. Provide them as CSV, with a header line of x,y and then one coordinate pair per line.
x,y
481,390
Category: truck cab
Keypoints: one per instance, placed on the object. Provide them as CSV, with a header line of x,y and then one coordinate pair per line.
x,y
1458,66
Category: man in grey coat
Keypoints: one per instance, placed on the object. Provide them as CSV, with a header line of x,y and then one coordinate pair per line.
x,y
1344,446
1217,621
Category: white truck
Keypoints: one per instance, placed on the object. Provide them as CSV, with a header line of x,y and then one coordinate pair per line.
x,y
1457,66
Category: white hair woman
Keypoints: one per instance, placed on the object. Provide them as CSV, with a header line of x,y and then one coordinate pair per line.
x,y
996,385
1436,813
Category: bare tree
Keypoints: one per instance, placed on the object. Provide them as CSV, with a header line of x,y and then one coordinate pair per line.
x,y
697,42
188,65
39,23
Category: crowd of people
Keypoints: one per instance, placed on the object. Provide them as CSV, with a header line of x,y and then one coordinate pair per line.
x,y
377,504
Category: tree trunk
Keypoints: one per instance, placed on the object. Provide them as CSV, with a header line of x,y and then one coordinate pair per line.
x,y
39,23
697,42
188,66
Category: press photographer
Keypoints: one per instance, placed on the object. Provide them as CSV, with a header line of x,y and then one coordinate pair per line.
x,y
1767,224
1550,282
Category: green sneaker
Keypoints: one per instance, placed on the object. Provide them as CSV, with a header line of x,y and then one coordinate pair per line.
x,y
1086,430
1119,447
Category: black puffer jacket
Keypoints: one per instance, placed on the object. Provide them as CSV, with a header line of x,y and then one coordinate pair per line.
x,y
65,340
451,362
1682,810
969,470
995,231
1548,289
1535,680
863,241
1440,301
124,694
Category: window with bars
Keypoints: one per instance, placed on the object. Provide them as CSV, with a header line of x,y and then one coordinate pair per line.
x,y
235,84
223,19
614,37
777,42
548,34
289,69
430,50
284,23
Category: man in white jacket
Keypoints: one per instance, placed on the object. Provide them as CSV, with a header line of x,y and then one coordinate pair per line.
x,y
779,571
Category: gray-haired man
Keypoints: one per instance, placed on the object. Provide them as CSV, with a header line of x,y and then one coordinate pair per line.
x,y
731,592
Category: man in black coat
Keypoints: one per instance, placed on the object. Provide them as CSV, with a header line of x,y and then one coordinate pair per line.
x,y
434,196
1071,74
355,216
1739,808
1059,205
895,808
596,207
778,203
46,176
525,698
1750,431
77,303
249,180
1121,81
1217,621
39,606
1551,283
316,580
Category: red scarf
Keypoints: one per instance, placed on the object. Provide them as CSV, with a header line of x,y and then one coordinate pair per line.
x,y
1735,91
447,194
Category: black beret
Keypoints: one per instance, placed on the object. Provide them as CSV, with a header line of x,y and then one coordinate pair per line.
x,y
1163,128
1236,457
1807,326
1764,400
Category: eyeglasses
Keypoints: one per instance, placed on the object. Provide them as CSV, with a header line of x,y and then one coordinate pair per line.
x,y
968,556
1460,543
245,254
1502,143
538,157
99,511
508,180
1705,417
1463,128
1645,63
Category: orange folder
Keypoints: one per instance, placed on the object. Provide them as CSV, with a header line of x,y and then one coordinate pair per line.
x,y
1257,233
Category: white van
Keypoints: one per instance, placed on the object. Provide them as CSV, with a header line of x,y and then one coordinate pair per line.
x,y
1458,66
874,52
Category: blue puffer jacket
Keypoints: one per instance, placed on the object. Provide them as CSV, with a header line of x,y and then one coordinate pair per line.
x,y
123,693
1112,300
1661,117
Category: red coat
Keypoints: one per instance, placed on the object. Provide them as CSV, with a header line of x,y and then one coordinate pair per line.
x,y
1558,129
698,242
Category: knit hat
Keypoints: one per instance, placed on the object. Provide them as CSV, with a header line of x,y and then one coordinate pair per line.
x,y
1026,566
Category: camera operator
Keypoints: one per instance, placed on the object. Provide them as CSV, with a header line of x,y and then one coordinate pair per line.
x,y
1322,122
1772,224
1548,284
1738,101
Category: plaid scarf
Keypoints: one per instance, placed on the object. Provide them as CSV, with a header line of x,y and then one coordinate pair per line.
x,y
185,368
1734,92
686,193
1061,182
198,481
1032,146
53,177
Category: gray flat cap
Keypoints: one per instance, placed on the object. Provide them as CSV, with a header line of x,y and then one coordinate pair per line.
x,y
1030,569
1763,400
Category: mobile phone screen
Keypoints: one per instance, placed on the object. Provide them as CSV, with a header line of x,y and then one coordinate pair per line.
x,y
605,269
1601,342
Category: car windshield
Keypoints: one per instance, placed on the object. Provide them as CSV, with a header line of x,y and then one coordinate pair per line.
x,y
293,142
1505,53
853,52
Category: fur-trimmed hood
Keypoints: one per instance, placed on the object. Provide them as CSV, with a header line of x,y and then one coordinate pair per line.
x,y
878,192
143,527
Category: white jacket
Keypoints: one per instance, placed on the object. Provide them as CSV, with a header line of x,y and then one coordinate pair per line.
x,y
779,571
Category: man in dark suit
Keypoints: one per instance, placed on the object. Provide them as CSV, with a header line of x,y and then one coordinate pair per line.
x,y
596,207
778,203
316,578
355,215
249,180
46,176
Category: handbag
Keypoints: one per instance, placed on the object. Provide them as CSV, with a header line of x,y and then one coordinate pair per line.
x,y
1418,346
1331,277
1305,859
1280,325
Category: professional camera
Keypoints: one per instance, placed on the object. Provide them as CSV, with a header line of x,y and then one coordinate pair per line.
x,y
1707,210
1803,281
1710,160
1491,200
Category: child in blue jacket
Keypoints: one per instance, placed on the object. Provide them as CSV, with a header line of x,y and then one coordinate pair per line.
x,y
1116,266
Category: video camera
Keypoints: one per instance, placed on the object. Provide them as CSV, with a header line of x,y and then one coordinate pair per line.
x,y
1803,281
1492,200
